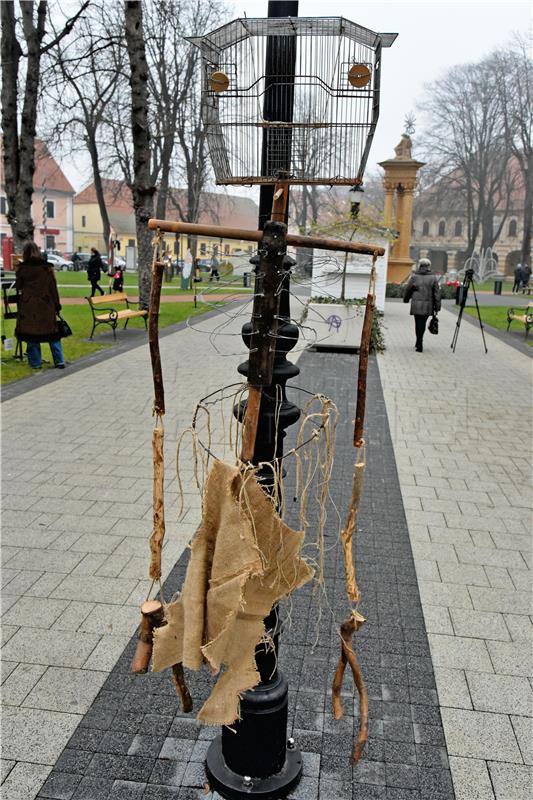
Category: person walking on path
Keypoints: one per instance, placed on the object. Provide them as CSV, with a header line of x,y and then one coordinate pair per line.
x,y
37,307
214,269
424,292
94,271
517,278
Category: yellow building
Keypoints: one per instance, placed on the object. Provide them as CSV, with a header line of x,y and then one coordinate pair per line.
x,y
219,209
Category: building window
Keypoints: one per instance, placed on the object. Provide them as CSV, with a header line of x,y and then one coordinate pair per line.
x,y
50,243
131,242
203,248
425,228
458,228
50,209
226,249
512,227
84,222
442,228
3,205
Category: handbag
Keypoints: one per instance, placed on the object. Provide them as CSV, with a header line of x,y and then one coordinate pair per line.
x,y
433,326
63,327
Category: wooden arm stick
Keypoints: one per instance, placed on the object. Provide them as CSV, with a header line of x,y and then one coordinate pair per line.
x,y
362,371
295,240
152,617
348,628
158,530
153,337
178,680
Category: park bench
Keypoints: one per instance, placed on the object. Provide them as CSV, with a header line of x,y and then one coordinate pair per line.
x,y
518,315
105,313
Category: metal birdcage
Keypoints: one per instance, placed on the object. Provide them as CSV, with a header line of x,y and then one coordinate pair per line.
x,y
292,96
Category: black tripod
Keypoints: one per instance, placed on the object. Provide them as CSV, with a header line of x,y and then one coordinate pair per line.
x,y
467,281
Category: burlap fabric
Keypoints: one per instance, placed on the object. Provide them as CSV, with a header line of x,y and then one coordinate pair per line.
x,y
243,560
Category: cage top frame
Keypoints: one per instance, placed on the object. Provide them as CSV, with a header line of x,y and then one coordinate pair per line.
x,y
215,42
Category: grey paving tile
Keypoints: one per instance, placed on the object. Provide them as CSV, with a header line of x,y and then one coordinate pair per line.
x,y
34,735
475,734
479,624
471,780
65,649
511,781
501,600
503,694
451,595
456,652
73,616
96,543
109,619
6,668
62,689
523,728
96,590
45,560
511,658
5,768
24,781
60,786
20,683
33,612
106,653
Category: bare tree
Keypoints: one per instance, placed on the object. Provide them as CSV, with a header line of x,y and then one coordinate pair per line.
x,y
513,68
142,186
19,142
464,141
83,78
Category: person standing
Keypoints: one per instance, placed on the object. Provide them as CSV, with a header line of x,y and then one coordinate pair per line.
x,y
423,291
517,278
94,271
37,307
526,277
214,269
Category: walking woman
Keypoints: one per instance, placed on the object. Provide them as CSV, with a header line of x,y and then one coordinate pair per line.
x,y
94,271
424,292
37,307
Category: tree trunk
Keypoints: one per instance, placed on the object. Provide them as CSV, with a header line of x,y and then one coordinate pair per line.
x,y
528,214
142,187
11,55
90,140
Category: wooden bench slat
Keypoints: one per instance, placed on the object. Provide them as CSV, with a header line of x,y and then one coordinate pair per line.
x,y
116,297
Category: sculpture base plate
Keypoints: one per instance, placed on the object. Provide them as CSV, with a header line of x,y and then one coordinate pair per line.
x,y
230,785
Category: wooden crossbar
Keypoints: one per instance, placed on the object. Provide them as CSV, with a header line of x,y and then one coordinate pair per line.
x,y
295,240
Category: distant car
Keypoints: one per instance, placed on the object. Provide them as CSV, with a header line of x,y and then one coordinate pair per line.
x,y
204,264
80,260
58,262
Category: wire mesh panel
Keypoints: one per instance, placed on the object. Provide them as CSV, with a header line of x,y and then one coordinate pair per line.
x,y
296,96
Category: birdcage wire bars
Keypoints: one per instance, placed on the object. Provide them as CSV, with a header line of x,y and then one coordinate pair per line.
x,y
323,125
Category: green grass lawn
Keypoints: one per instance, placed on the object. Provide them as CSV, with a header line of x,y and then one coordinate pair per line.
x,y
78,345
496,317
75,284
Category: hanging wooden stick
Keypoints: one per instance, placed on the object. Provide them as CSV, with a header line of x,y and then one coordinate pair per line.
x,y
356,620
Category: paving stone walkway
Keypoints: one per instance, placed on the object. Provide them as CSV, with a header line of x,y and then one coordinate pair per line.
x,y
77,509
461,427
135,741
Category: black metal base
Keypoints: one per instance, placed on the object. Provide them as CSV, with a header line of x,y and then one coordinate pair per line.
x,y
236,787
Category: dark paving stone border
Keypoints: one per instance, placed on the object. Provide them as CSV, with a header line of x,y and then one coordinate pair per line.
x,y
135,742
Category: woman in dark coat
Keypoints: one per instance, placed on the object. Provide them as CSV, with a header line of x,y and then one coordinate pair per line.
x,y
94,271
424,292
37,307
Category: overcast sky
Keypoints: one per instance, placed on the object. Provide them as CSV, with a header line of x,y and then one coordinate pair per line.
x,y
432,36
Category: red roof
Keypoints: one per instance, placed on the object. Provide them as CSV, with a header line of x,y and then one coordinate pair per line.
x,y
47,173
218,208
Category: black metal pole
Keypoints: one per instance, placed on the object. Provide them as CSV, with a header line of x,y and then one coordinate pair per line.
x,y
255,758
278,105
